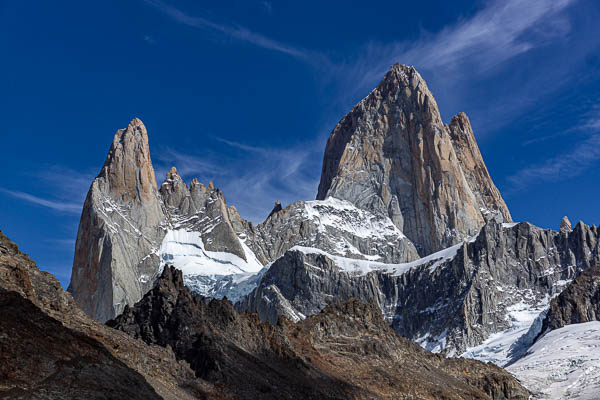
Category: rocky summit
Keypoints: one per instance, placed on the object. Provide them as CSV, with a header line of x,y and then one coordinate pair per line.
x,y
121,228
393,155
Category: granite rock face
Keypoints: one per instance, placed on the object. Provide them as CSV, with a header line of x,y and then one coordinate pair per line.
x,y
449,301
347,351
392,155
201,209
122,225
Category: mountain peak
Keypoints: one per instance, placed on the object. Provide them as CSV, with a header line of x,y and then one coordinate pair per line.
x,y
565,224
108,272
128,168
276,208
392,155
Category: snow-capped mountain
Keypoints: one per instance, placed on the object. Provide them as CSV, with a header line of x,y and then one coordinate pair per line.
x,y
406,216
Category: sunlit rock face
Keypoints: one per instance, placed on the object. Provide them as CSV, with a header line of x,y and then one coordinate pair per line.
x,y
393,155
122,225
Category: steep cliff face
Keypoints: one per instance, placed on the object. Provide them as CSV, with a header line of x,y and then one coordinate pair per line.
x,y
129,229
452,301
122,225
578,303
392,155
347,351
201,209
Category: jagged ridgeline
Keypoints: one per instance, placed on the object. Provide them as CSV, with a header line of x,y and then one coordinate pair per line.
x,y
406,216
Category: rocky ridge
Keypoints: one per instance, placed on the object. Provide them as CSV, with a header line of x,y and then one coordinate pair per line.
x,y
578,303
120,250
347,351
407,217
451,301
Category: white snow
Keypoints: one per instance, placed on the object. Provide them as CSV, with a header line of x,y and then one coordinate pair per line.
x,y
434,344
185,250
502,347
363,267
343,215
563,364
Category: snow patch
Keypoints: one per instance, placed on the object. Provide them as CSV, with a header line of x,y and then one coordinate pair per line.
x,y
363,267
503,347
344,216
209,273
563,364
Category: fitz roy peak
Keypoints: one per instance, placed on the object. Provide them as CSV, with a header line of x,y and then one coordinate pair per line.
x,y
407,218
391,154
397,184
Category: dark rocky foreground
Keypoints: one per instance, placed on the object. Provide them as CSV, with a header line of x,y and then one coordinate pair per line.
x,y
194,349
50,349
346,351
41,358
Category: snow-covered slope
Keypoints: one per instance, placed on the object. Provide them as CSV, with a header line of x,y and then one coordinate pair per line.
x,y
563,364
503,347
209,273
483,298
334,226
362,267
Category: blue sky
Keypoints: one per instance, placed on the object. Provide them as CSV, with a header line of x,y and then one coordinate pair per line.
x,y
246,93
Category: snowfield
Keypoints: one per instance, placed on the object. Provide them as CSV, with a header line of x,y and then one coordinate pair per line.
x,y
209,273
503,347
346,217
563,364
363,267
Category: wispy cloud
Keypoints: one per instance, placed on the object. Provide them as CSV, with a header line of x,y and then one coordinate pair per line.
x,y
252,177
499,32
67,189
67,243
585,115
267,6
569,164
149,39
232,30
72,208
